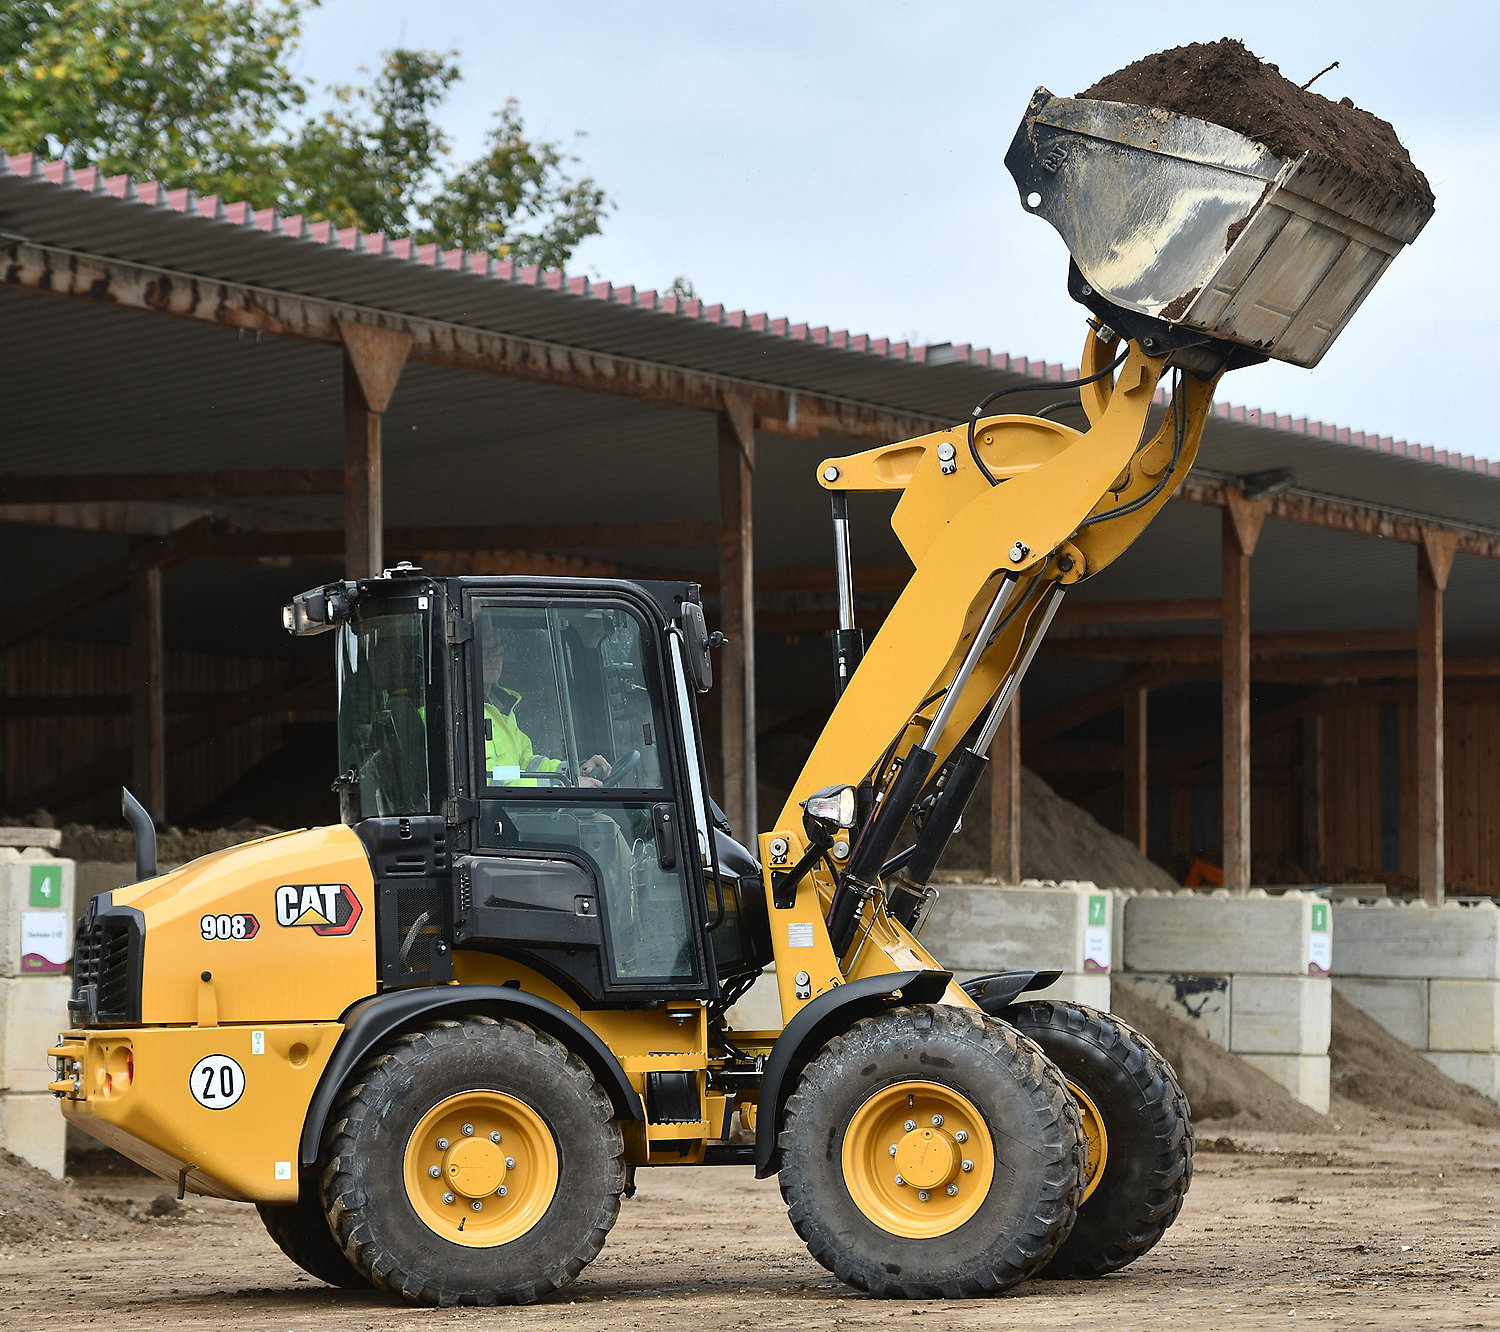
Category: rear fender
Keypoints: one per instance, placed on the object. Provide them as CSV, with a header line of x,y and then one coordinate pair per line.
x,y
818,1023
372,1021
1002,988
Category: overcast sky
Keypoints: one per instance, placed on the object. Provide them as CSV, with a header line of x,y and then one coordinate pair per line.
x,y
839,162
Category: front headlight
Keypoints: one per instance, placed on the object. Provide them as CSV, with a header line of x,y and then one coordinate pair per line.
x,y
828,812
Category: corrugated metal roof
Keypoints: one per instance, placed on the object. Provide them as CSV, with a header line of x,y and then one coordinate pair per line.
x,y
94,389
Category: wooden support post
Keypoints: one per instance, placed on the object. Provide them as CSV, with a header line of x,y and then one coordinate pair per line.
x,y
373,358
1135,768
1434,561
737,614
1005,796
1314,833
148,712
1241,530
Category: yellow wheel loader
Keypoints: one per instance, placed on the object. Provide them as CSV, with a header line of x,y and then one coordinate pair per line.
x,y
433,1042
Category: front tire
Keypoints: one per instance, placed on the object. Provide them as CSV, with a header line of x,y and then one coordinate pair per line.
x,y
472,1162
929,1152
1135,1118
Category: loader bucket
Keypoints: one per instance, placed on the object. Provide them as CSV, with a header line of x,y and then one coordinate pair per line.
x,y
1194,224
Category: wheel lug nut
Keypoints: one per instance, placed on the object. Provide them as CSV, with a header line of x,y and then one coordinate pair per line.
x,y
442,1144
960,1136
477,1205
953,1190
434,1171
468,1130
967,1166
937,1121
447,1197
899,1180
892,1149
909,1125
494,1137
510,1162
924,1195
501,1191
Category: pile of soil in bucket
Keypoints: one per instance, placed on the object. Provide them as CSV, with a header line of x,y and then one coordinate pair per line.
x,y
1227,84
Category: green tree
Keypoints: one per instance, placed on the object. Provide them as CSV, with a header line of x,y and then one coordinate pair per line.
x,y
200,93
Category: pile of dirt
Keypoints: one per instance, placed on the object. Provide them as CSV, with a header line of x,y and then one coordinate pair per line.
x,y
37,1211
82,841
1059,840
1388,1080
1221,1087
1375,1079
1227,84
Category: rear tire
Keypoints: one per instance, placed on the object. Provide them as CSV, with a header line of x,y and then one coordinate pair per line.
x,y
301,1232
472,1162
993,1155
1130,1092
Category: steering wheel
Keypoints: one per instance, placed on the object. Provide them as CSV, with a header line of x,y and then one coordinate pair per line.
x,y
623,768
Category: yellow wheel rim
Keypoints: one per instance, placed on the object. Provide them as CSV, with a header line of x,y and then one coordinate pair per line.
x,y
481,1168
1095,1141
918,1159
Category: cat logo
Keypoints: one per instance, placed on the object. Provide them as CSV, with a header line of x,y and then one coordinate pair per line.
x,y
326,908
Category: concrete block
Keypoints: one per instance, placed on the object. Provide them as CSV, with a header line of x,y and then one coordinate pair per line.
x,y
1201,1001
1458,942
1305,1076
92,877
1400,1006
759,1008
1285,1015
32,1127
977,929
1479,1071
33,1009
1216,934
1464,1016
36,913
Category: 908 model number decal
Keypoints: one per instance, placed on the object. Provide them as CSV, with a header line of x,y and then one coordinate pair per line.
x,y
242,925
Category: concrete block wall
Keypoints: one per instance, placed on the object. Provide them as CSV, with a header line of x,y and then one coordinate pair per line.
x,y
36,946
1249,972
1431,977
975,929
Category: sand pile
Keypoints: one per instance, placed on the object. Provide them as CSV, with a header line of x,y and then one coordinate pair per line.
x,y
82,841
1390,1081
1375,1079
1224,83
1221,1087
1058,841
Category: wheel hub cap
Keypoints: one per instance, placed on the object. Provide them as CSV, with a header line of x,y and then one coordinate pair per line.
x,y
474,1167
927,1157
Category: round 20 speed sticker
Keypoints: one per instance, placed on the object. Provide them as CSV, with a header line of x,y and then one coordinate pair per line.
x,y
217,1082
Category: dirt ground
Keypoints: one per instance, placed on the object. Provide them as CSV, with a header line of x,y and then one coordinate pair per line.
x,y
1383,1228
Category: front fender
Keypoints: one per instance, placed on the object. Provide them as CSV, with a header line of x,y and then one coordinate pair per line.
x,y
373,1020
834,1011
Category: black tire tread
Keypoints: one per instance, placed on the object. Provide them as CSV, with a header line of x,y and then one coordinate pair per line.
x,y
342,1193
1030,1249
301,1231
1092,1250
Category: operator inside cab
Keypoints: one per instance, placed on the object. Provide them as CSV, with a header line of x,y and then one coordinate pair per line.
x,y
510,758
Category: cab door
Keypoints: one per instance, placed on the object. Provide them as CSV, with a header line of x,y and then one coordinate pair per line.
x,y
582,865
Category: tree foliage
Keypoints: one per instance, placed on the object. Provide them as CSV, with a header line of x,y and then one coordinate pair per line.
x,y
200,93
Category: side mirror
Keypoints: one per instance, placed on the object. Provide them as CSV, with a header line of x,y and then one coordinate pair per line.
x,y
697,646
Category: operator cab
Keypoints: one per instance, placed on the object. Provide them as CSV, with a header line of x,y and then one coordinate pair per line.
x,y
522,760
